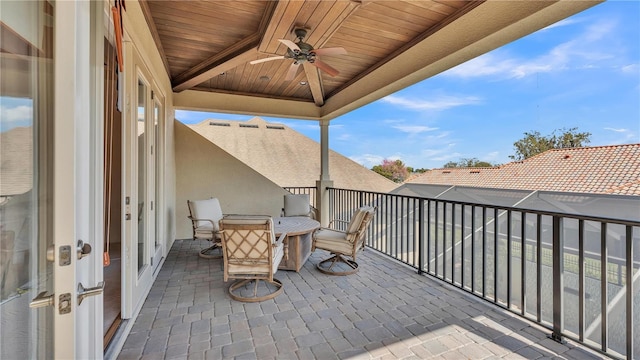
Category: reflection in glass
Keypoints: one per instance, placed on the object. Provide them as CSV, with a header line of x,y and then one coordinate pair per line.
x,y
26,63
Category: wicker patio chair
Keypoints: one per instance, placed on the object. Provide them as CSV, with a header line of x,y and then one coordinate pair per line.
x,y
251,256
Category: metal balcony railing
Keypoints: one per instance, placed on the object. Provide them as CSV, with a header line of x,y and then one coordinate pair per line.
x,y
576,275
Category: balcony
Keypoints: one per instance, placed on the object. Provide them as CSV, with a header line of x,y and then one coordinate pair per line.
x,y
439,279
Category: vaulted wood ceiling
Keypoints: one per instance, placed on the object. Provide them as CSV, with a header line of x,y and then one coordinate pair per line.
x,y
207,47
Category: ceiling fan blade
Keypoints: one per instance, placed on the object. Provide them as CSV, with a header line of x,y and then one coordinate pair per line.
x,y
293,70
325,67
290,44
330,51
266,59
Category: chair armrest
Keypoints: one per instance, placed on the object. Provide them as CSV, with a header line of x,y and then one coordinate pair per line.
x,y
209,220
280,239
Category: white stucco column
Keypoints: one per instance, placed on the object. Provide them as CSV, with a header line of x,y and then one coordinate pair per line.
x,y
322,195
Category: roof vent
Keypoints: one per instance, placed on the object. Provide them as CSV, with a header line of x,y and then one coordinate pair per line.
x,y
447,172
276,127
566,156
249,126
474,172
218,124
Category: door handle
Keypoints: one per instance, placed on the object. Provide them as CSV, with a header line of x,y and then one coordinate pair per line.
x,y
92,291
42,300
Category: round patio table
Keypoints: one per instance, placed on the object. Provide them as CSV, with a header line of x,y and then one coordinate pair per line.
x,y
297,243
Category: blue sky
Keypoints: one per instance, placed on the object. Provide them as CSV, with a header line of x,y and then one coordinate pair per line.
x,y
582,72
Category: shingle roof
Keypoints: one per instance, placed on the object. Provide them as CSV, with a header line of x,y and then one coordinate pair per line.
x,y
613,169
16,162
285,156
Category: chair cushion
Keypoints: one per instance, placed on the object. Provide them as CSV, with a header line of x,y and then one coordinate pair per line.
x,y
356,219
333,241
296,205
206,209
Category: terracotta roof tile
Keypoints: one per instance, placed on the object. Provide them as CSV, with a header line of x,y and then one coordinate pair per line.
x,y
612,169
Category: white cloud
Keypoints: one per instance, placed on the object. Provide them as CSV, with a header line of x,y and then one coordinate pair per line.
x,y
562,23
413,129
20,113
367,160
587,50
630,69
440,103
616,130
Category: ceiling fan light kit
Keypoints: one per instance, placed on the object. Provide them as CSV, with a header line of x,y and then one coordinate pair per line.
x,y
302,52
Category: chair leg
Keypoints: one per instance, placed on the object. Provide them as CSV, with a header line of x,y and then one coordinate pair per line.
x,y
238,284
212,252
336,260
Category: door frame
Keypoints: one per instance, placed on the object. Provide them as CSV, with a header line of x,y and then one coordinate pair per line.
x,y
136,284
77,174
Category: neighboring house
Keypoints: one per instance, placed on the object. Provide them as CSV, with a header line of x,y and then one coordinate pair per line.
x,y
613,169
285,156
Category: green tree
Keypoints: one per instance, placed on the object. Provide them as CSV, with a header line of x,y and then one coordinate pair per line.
x,y
533,143
394,170
465,162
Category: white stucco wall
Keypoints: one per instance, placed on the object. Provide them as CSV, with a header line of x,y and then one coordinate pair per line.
x,y
203,170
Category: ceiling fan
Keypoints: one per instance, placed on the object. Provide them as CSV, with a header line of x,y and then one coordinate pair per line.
x,y
302,52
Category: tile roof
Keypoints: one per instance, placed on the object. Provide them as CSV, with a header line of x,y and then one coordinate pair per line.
x,y
285,156
612,169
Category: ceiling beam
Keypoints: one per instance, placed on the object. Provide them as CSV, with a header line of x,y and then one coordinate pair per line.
x,y
235,55
241,52
315,83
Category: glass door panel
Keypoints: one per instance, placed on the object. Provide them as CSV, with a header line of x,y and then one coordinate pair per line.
x,y
26,92
142,174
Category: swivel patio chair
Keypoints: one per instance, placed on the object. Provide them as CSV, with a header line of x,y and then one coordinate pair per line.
x,y
343,244
251,257
204,216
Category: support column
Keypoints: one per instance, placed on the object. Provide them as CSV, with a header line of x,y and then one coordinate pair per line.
x,y
322,195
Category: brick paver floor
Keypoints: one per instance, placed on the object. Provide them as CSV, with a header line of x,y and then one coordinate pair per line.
x,y
385,311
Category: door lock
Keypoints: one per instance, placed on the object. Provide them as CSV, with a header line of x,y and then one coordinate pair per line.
x,y
92,291
83,249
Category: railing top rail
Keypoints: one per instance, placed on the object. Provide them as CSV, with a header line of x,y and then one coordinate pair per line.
x,y
502,207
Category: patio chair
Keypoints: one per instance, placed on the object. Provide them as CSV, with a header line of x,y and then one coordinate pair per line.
x,y
343,244
297,205
251,256
204,216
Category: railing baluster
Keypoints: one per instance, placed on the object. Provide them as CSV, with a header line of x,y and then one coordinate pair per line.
x,y
473,248
558,277
420,236
509,261
523,263
484,252
462,252
429,237
581,289
539,270
603,285
453,243
495,255
629,284
437,254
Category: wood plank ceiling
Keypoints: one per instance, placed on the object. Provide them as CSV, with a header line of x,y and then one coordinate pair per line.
x,y
208,45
